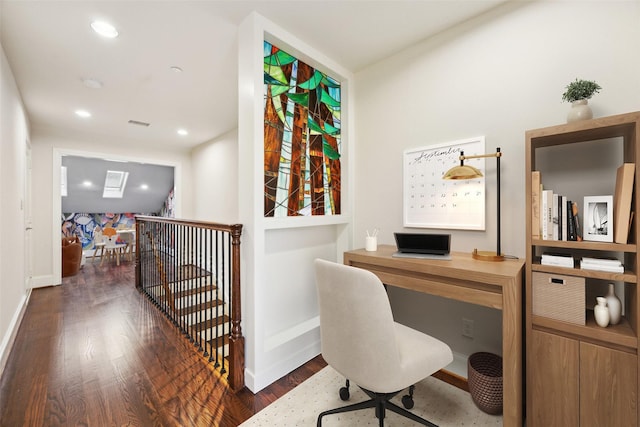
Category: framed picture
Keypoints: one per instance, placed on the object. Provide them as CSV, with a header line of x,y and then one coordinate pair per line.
x,y
598,218
430,201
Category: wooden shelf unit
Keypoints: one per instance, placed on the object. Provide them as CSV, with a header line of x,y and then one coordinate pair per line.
x,y
580,375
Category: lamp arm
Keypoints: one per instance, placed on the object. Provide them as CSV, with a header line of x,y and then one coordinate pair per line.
x,y
497,155
480,156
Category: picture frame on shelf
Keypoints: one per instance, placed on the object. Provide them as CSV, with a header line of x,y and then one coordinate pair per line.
x,y
598,218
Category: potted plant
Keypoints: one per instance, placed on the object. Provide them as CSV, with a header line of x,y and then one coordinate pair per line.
x,y
578,92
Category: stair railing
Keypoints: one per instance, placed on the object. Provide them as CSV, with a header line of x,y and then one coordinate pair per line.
x,y
190,270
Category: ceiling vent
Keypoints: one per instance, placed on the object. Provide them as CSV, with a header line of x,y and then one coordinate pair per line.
x,y
139,123
114,184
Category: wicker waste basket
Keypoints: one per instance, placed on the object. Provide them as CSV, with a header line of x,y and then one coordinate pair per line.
x,y
484,374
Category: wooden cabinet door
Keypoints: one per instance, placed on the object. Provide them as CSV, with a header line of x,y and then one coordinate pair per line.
x,y
608,387
554,374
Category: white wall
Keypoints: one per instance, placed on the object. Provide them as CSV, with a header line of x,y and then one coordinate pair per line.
x,y
496,76
14,136
215,179
48,145
280,316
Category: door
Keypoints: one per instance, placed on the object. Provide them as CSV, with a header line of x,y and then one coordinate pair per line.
x,y
608,387
28,220
554,374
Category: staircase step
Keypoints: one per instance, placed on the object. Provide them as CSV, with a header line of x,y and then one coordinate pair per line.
x,y
184,290
201,316
223,341
199,307
211,323
194,291
218,329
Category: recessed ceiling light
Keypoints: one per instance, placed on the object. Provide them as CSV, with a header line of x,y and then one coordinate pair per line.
x,y
104,29
86,183
183,132
83,113
144,187
175,69
92,83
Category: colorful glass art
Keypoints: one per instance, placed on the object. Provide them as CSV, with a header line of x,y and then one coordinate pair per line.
x,y
302,140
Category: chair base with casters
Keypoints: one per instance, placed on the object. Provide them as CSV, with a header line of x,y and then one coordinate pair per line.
x,y
382,403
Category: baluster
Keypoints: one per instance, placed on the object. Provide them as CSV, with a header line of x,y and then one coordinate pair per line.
x,y
171,252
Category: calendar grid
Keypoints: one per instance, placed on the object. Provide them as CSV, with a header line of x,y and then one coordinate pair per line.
x,y
430,201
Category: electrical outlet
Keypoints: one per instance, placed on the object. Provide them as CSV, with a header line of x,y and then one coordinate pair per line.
x,y
467,328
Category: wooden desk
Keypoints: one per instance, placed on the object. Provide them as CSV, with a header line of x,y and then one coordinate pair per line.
x,y
491,284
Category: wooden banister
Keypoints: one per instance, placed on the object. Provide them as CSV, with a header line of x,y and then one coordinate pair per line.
x,y
191,271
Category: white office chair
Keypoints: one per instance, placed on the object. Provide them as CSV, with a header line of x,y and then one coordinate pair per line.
x,y
363,343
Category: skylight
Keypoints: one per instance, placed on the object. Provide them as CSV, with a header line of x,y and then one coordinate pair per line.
x,y
114,184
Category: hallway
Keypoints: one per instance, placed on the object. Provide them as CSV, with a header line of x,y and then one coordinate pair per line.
x,y
95,352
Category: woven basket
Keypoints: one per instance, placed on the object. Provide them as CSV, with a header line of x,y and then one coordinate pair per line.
x,y
484,372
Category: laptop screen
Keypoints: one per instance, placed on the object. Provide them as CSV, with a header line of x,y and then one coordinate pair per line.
x,y
418,243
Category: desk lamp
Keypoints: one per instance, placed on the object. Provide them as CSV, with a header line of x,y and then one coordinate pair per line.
x,y
469,172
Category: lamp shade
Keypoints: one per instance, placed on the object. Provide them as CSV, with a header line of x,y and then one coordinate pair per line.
x,y
462,172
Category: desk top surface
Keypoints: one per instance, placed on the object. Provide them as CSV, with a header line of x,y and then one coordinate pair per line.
x,y
461,263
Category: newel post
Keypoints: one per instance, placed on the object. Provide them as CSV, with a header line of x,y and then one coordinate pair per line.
x,y
236,340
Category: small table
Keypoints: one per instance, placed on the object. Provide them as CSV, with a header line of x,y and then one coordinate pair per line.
x,y
491,284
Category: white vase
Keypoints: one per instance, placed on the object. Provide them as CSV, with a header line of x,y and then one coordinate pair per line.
x,y
614,306
601,312
580,110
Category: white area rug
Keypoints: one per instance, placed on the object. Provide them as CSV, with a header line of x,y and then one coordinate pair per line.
x,y
435,400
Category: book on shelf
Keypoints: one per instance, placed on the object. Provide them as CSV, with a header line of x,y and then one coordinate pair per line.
x,y
543,214
622,202
571,222
576,221
602,267
563,232
602,261
546,215
535,204
557,216
602,264
562,260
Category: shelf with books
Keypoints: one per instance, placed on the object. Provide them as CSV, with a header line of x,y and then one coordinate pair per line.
x,y
582,161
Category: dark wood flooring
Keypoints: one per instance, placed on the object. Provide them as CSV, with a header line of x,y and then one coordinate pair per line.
x,y
96,352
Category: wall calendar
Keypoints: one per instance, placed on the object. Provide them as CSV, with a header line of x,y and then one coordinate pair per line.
x,y
430,201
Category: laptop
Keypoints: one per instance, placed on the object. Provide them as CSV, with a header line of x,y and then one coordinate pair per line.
x,y
420,245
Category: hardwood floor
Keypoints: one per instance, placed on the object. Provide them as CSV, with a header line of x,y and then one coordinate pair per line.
x,y
95,352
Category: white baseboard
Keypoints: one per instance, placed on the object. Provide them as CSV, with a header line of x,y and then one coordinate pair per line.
x,y
42,281
459,365
255,383
7,341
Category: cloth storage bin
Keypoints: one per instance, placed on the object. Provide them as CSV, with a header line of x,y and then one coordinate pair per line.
x,y
559,297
